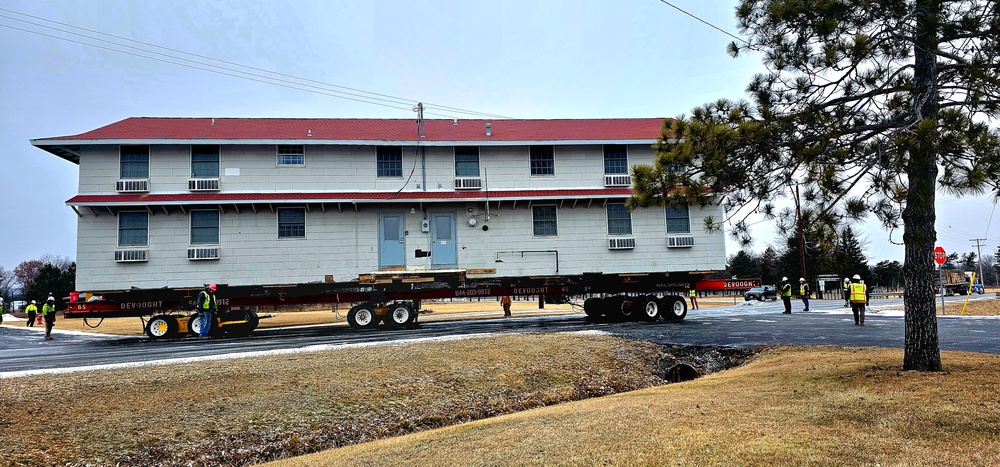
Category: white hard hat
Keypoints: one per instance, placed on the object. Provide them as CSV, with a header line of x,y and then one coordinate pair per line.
x,y
857,277
802,279
784,278
32,302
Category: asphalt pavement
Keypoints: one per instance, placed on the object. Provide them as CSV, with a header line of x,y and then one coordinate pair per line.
x,y
745,324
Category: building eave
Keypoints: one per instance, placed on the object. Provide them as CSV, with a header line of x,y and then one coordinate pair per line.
x,y
185,199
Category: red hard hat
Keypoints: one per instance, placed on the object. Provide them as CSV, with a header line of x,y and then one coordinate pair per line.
x,y
211,287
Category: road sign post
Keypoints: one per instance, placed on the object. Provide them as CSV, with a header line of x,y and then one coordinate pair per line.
x,y
940,257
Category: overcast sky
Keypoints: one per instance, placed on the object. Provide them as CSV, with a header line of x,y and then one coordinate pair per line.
x,y
517,58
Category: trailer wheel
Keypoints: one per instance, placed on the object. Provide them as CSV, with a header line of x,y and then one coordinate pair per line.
x,y
240,329
194,325
612,307
400,315
592,307
252,320
362,316
630,307
161,327
676,309
651,308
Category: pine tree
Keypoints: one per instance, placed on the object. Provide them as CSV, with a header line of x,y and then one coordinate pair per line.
x,y
862,102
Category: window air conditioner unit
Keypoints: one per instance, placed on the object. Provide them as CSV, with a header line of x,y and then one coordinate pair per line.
x,y
132,186
200,253
131,256
468,183
680,242
617,180
621,243
203,184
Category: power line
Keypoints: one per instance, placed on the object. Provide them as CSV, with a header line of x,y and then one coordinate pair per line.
x,y
366,98
706,22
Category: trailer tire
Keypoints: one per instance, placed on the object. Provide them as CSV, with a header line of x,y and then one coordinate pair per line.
x,y
161,327
362,316
650,308
194,324
630,307
676,308
240,329
613,307
252,320
592,307
400,315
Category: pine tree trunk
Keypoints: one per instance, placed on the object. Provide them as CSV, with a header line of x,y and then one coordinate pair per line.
x,y
921,350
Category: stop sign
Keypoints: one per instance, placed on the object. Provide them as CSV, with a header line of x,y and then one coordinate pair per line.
x,y
939,255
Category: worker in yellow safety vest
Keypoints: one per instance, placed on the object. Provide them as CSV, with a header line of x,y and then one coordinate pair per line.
x,y
31,310
694,299
786,295
49,313
859,298
207,309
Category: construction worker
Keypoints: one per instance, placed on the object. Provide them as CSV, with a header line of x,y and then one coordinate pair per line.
x,y
207,309
859,297
847,292
505,303
49,313
786,295
31,310
1,310
804,292
694,299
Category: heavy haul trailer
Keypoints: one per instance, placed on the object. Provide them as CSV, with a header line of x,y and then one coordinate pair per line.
x,y
392,298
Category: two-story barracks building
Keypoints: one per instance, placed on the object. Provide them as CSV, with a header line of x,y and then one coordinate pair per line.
x,y
180,202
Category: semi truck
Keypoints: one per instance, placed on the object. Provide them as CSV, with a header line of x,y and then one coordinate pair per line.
x,y
956,282
391,298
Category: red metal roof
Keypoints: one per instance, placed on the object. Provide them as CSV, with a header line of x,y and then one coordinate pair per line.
x,y
340,197
355,129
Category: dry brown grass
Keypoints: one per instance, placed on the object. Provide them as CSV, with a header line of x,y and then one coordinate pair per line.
x,y
974,308
235,412
791,406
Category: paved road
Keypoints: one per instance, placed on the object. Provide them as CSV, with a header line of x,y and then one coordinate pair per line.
x,y
22,349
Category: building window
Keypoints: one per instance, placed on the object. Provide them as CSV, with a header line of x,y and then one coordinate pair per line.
x,y
134,162
291,154
205,161
133,228
678,218
467,161
615,159
543,219
389,161
542,160
291,223
205,227
619,219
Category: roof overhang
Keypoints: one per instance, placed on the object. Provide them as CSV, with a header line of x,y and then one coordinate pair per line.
x,y
65,150
53,145
195,199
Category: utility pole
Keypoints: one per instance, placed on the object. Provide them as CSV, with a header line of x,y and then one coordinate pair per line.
x,y
798,228
979,247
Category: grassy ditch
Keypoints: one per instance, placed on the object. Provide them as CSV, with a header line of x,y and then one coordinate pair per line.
x,y
245,411
790,406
